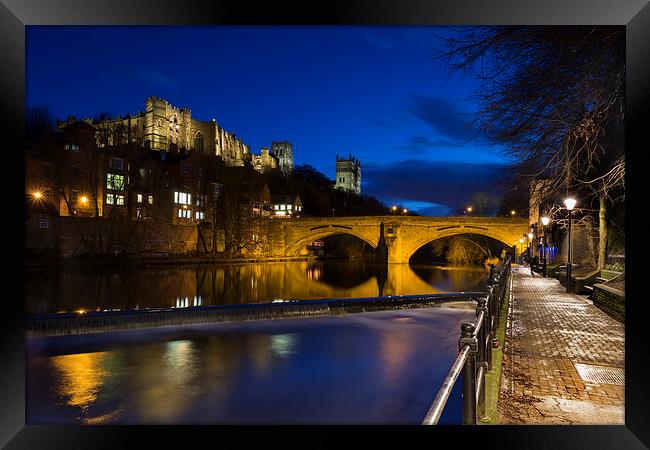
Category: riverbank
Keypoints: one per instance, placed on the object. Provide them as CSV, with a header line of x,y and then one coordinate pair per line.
x,y
159,261
563,361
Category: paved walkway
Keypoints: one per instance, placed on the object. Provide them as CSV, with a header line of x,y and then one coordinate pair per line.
x,y
550,336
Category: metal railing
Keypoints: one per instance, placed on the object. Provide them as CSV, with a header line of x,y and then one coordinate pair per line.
x,y
474,351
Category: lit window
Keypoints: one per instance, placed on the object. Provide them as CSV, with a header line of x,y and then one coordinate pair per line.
x,y
184,213
282,207
199,215
182,198
114,181
151,199
112,199
139,198
289,207
72,147
276,207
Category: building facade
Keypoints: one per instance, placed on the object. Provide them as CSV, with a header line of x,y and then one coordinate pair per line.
x,y
265,161
164,127
283,151
348,174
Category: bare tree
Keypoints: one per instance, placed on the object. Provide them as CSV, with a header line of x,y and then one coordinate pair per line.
x,y
553,98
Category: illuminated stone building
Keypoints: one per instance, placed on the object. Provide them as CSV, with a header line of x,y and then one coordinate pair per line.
x,y
283,151
348,174
164,127
264,161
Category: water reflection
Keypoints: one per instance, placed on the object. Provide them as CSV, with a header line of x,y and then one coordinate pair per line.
x,y
363,368
187,286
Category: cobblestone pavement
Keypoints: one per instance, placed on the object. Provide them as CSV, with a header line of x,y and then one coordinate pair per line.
x,y
548,332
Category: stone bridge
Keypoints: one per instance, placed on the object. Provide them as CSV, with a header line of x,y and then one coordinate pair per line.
x,y
400,236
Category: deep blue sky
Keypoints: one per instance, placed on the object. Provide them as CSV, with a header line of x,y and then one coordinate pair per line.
x,y
375,92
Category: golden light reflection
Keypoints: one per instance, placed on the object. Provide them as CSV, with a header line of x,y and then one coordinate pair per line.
x,y
82,377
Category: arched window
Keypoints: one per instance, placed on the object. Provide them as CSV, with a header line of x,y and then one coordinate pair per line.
x,y
198,142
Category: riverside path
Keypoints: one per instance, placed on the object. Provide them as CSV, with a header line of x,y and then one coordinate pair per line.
x,y
563,357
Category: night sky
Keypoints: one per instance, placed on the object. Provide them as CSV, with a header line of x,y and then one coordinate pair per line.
x,y
378,93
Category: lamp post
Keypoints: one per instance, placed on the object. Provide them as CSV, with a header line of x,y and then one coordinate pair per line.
x,y
521,245
570,203
545,221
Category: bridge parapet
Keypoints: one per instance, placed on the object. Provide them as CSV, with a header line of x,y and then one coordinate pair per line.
x,y
403,235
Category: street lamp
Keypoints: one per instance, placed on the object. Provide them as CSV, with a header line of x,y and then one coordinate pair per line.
x,y
545,221
469,209
405,211
37,195
513,212
394,209
570,203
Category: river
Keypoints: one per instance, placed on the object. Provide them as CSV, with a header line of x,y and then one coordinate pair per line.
x,y
49,291
364,368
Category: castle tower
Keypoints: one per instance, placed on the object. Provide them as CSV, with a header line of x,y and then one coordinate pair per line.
x,y
284,152
348,174
166,125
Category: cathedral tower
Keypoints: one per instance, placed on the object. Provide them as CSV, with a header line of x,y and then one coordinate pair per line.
x,y
348,174
284,152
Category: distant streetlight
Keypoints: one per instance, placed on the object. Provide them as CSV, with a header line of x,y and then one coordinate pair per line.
x,y
570,203
469,209
394,209
545,222
84,199
405,211
512,212
37,194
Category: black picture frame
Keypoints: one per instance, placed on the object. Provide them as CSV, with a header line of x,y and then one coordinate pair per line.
x,y
634,14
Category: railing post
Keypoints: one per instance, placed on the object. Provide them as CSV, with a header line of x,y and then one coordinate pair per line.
x,y
484,352
467,337
484,333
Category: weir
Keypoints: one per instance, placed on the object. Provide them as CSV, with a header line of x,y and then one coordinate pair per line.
x,y
101,322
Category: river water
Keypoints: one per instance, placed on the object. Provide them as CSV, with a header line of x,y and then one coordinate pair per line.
x,y
379,367
224,284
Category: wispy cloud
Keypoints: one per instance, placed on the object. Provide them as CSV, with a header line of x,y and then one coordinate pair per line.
x,y
444,117
422,144
442,185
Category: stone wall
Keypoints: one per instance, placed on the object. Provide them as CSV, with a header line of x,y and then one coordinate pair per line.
x,y
67,237
610,300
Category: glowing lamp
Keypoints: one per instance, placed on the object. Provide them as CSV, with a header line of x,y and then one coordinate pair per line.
x,y
570,203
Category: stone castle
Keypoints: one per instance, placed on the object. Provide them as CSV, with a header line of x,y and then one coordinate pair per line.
x,y
348,174
163,127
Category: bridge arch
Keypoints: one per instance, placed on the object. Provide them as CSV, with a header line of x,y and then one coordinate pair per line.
x,y
425,238
301,243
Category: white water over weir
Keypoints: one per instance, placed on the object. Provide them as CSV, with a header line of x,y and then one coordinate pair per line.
x,y
106,321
